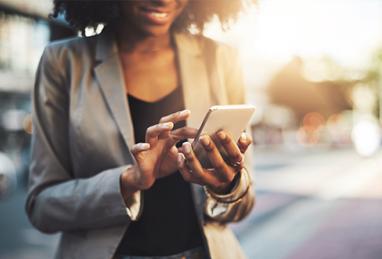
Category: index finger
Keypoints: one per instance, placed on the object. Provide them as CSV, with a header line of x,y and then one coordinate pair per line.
x,y
176,117
153,132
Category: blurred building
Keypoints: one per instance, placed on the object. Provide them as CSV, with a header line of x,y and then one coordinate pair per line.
x,y
301,111
289,88
25,30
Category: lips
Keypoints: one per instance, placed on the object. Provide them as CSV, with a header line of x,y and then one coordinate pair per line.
x,y
159,15
155,15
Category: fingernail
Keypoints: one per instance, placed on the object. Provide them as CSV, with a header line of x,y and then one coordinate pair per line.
x,y
144,146
221,135
205,141
185,112
187,147
181,159
168,125
243,136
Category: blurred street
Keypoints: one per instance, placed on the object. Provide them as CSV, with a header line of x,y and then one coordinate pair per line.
x,y
316,204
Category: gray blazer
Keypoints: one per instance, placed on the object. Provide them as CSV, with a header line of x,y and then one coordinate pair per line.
x,y
82,132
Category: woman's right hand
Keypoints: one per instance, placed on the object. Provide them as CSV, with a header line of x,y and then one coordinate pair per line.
x,y
157,157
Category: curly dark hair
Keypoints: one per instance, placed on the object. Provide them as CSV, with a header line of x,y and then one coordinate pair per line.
x,y
89,13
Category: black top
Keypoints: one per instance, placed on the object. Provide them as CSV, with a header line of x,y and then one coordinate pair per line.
x,y
168,224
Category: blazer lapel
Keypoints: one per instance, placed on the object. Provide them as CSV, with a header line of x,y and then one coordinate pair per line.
x,y
109,73
194,78
197,95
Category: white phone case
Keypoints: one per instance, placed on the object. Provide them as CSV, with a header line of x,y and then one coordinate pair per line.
x,y
232,118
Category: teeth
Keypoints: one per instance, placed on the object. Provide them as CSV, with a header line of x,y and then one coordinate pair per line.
x,y
159,15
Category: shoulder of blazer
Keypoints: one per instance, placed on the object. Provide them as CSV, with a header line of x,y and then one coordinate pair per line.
x,y
216,52
66,57
199,44
71,48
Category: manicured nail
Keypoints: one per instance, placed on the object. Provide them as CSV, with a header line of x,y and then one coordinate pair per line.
x,y
168,125
205,141
181,159
221,135
144,146
243,136
185,113
187,147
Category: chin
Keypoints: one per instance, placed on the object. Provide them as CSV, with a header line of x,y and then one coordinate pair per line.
x,y
155,30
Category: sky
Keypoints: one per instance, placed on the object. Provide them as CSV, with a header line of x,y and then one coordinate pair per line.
x,y
269,35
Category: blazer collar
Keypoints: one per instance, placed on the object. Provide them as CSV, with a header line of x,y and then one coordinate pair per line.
x,y
194,77
108,72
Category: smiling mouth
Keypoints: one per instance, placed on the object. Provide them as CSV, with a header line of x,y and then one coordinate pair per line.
x,y
159,15
156,16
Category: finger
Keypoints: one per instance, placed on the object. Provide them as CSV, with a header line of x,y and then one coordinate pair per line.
x,y
191,160
176,117
244,142
222,170
198,174
184,133
184,171
140,147
153,132
173,152
193,175
234,154
180,134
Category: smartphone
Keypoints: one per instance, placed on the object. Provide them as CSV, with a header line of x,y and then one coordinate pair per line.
x,y
232,118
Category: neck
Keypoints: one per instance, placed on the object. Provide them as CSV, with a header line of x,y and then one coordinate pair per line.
x,y
133,41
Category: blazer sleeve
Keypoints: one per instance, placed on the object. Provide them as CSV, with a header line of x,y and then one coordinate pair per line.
x,y
56,200
234,206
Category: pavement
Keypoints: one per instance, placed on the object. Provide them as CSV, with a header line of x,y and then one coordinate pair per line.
x,y
318,204
314,203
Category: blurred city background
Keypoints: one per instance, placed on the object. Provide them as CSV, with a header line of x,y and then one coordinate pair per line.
x,y
313,69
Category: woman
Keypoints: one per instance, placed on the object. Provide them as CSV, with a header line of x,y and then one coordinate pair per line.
x,y
111,165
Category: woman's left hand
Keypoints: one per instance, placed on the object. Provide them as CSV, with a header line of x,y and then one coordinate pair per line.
x,y
218,179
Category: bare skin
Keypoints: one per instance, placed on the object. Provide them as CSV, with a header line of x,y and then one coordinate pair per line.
x,y
220,178
146,51
141,70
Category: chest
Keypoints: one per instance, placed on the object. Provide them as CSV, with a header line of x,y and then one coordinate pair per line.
x,y
150,76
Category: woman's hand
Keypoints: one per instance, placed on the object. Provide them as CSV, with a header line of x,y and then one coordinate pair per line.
x,y
219,178
157,157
